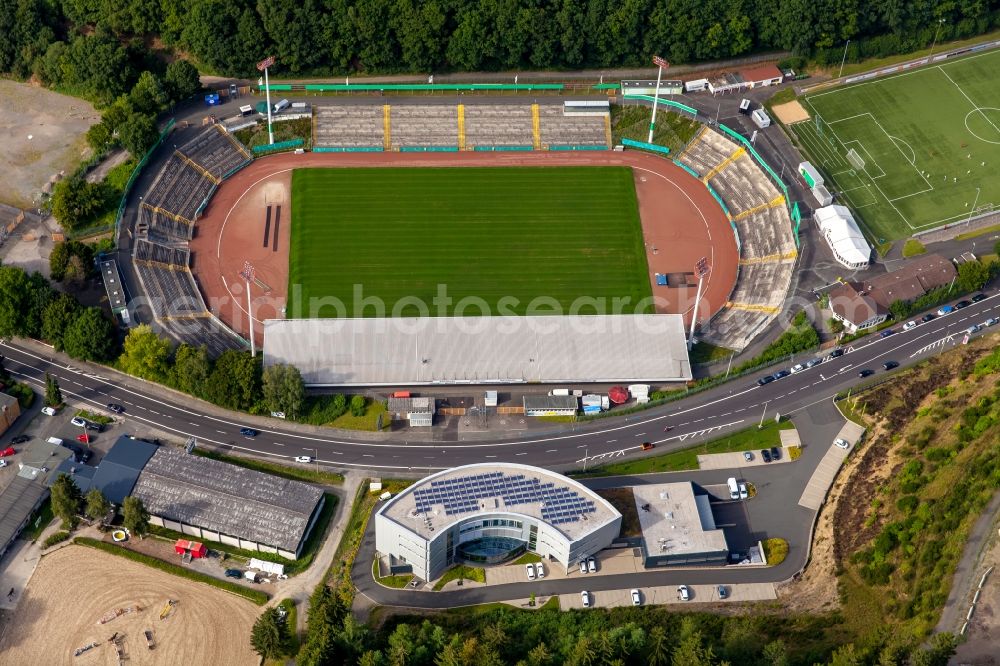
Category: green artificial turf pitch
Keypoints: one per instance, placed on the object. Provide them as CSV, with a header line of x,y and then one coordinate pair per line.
x,y
929,138
503,235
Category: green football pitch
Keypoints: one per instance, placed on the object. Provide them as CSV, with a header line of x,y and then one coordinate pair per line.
x,y
498,237
912,151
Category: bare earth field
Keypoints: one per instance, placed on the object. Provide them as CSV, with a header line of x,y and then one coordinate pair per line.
x,y
74,587
57,124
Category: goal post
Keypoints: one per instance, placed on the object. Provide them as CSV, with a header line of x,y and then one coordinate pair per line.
x,y
855,160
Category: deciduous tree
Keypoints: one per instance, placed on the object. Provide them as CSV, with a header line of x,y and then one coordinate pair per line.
x,y
284,390
145,354
97,505
135,518
91,337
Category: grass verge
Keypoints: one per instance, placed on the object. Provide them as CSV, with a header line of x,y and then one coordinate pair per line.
x,y
749,439
284,471
94,417
527,558
53,539
705,352
256,596
775,551
912,247
979,232
400,581
463,572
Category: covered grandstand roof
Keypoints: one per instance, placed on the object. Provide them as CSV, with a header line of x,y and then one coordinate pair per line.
x,y
228,499
480,350
843,234
459,493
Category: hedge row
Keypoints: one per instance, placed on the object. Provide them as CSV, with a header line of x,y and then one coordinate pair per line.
x,y
256,596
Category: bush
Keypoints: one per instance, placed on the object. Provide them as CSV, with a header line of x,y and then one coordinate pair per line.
x,y
25,396
53,539
775,550
358,405
256,596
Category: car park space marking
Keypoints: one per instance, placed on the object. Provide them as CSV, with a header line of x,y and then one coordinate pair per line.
x,y
278,444
221,432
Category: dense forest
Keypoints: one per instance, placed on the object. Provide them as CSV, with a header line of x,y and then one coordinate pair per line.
x,y
345,36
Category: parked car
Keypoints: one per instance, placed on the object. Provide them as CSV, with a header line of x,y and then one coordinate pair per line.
x,y
3,463
798,367
77,421
530,570
683,593
743,491
992,321
814,362
928,317
249,433
765,455
583,566
234,573
49,411
585,599
9,451
946,309
96,427
978,297
83,439
886,333
867,372
539,570
20,439
636,599
962,304
591,564
116,408
781,373
972,329
775,453
747,456
303,459
836,353
723,592
909,325
889,365
842,443
767,379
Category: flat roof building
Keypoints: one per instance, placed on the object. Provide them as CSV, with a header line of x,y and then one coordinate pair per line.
x,y
492,512
217,501
39,461
678,526
842,234
412,351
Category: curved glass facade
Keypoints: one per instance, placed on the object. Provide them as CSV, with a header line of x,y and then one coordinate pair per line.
x,y
491,550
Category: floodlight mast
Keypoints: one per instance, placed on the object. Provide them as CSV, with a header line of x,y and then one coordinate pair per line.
x,y
661,64
263,65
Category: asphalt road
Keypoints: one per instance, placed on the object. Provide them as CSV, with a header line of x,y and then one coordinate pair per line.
x,y
707,415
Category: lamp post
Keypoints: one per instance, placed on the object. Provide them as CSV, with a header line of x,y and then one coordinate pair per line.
x,y
701,269
661,64
248,274
844,59
936,33
973,210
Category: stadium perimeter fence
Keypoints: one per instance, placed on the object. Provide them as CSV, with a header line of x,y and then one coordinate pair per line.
x,y
135,174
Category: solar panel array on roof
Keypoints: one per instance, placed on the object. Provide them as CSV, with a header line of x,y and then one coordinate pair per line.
x,y
462,494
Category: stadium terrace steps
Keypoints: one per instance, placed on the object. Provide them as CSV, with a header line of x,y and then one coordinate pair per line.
x,y
558,129
163,226
422,125
215,152
498,125
161,254
351,126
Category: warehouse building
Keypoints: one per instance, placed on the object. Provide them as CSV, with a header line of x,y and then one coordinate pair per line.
x,y
412,351
492,513
678,527
212,500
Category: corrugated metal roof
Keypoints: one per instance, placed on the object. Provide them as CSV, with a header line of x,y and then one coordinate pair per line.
x,y
225,498
480,350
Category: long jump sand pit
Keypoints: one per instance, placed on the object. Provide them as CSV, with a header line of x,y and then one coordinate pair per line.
x,y
790,112
75,587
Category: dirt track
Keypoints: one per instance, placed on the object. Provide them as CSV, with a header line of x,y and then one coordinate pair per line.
x,y
681,222
75,586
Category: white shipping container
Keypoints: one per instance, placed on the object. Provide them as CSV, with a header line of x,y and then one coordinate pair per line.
x,y
559,392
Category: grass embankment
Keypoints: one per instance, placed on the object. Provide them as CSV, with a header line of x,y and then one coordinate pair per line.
x,y
503,236
307,474
750,439
399,581
347,550
920,487
462,572
256,596
286,130
333,411
705,352
673,130
292,567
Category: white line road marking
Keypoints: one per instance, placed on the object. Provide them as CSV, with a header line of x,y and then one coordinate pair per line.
x,y
523,453
221,432
552,450
278,444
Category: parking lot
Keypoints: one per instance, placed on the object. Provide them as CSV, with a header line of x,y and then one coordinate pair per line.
x,y
667,594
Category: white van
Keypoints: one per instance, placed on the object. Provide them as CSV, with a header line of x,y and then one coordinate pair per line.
x,y
55,440
734,488
282,105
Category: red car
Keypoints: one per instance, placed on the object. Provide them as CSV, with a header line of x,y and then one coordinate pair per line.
x,y
9,451
83,439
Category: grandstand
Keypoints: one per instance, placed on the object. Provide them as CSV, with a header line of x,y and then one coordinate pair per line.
x,y
423,126
350,127
763,228
491,125
559,130
166,221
